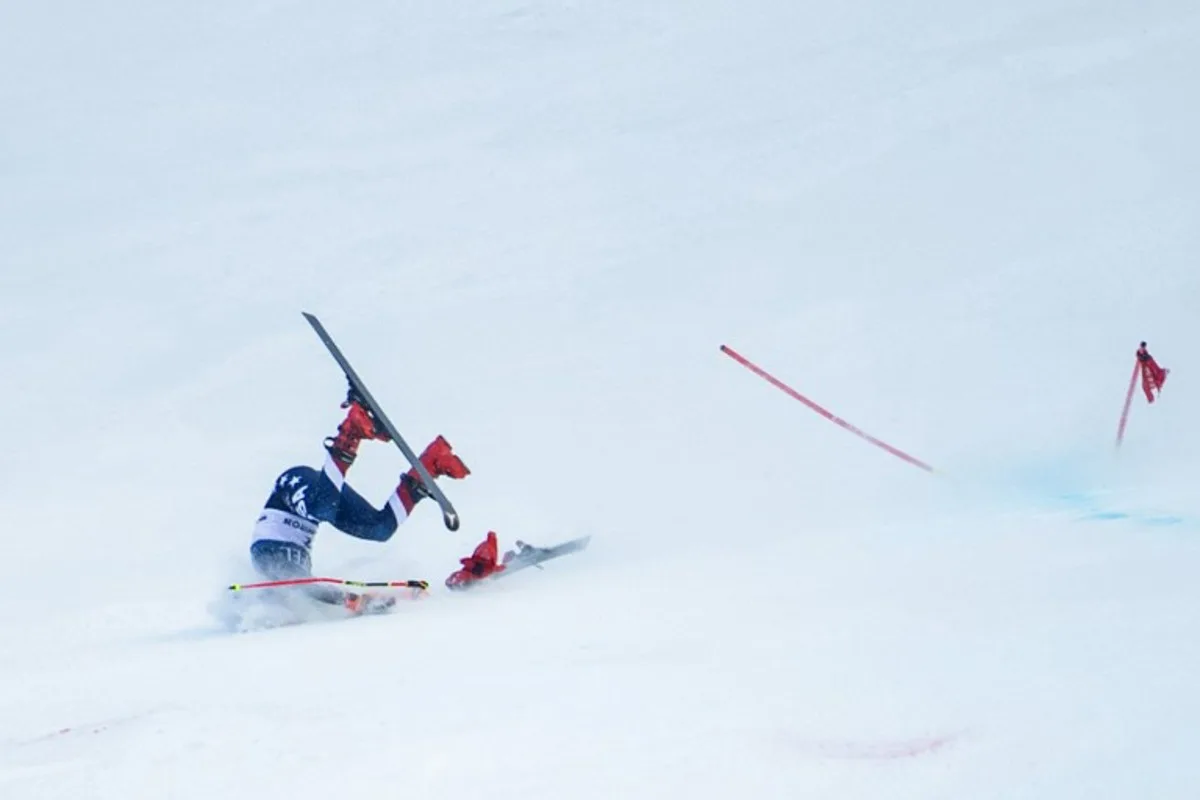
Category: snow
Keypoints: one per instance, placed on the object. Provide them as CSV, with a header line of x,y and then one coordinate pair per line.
x,y
531,225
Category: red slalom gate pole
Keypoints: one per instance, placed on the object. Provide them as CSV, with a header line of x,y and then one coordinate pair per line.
x,y
1128,402
783,387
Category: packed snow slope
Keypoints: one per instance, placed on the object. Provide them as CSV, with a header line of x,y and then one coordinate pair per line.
x,y
531,224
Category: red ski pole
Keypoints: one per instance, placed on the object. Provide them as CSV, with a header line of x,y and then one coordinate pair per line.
x,y
412,584
1137,367
783,387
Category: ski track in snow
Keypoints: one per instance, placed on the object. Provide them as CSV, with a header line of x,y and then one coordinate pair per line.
x,y
877,751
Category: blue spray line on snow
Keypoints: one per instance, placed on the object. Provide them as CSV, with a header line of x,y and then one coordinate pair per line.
x,y
1058,486
1094,511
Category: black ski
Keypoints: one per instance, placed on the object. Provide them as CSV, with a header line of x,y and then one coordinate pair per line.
x,y
449,515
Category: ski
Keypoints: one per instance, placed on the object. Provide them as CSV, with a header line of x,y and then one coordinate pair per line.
x,y
527,555
524,557
449,515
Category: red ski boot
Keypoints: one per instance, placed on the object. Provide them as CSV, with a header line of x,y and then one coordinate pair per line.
x,y
477,566
441,462
358,425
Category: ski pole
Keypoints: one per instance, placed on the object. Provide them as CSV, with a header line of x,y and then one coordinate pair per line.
x,y
409,584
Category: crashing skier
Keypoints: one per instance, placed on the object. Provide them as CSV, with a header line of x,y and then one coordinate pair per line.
x,y
304,497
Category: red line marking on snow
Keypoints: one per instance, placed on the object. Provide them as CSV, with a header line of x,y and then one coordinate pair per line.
x,y
783,387
73,731
61,732
1128,402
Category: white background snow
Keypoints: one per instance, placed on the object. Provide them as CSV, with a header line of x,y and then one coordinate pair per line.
x,y
531,225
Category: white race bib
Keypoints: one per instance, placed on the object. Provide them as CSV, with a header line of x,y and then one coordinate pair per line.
x,y
280,526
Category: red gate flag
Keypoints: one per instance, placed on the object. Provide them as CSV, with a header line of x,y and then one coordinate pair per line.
x,y
1153,376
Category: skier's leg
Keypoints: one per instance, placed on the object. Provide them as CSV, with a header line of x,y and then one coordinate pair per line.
x,y
359,518
317,495
324,496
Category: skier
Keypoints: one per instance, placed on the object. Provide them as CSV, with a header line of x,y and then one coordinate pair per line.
x,y
304,497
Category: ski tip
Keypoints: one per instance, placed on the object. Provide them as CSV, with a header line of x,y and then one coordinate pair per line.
x,y
451,520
